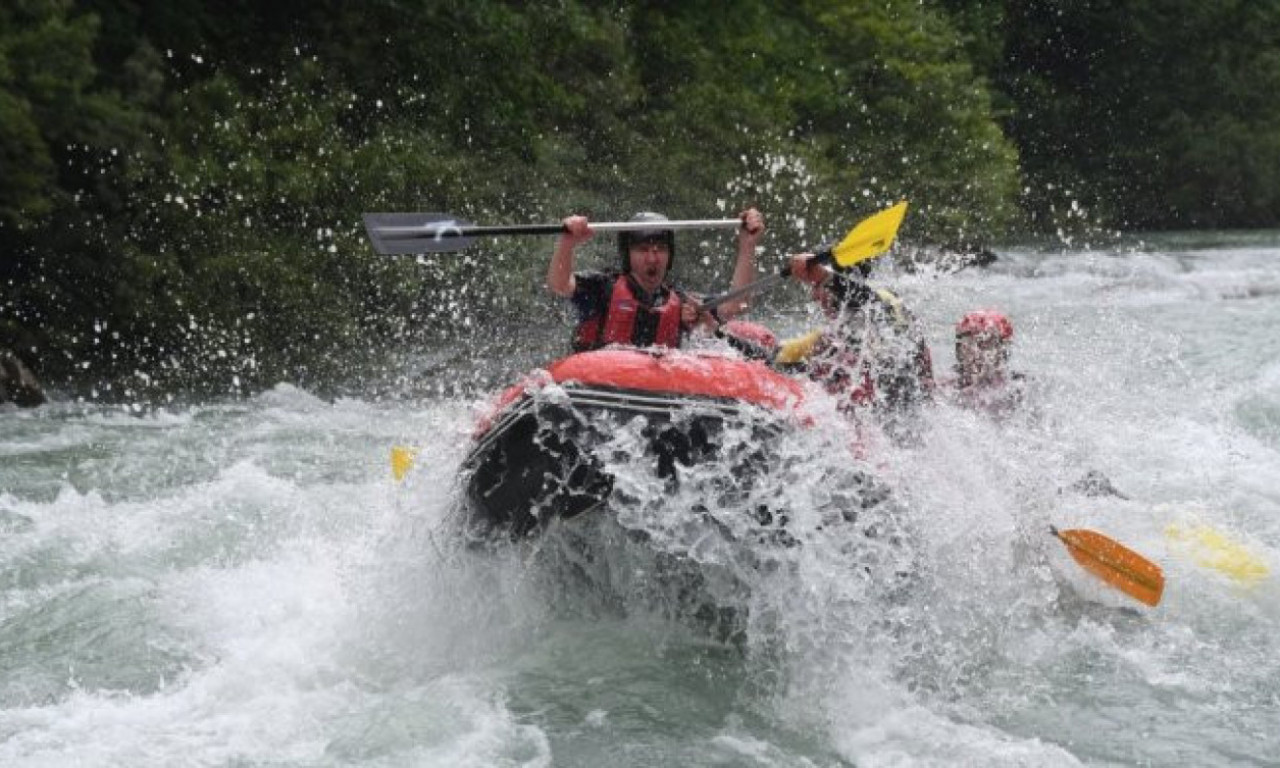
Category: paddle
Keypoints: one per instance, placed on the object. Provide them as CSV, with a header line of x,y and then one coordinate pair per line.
x,y
869,238
1206,546
395,234
402,460
1114,563
1210,548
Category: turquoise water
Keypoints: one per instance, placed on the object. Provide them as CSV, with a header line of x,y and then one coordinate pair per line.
x,y
243,584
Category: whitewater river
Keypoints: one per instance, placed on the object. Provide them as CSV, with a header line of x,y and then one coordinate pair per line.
x,y
243,584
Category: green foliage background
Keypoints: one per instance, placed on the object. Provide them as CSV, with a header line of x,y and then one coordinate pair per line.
x,y
182,181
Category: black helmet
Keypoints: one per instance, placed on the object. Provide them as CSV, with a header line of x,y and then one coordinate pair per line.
x,y
848,286
849,290
626,239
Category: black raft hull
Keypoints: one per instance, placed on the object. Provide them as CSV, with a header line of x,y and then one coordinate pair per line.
x,y
548,453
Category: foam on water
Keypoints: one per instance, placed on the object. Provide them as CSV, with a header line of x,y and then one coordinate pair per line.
x,y
243,584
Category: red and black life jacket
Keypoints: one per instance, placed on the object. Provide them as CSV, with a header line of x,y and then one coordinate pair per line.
x,y
618,324
900,374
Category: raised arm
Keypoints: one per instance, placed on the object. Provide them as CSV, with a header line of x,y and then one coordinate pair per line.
x,y
805,269
560,271
744,268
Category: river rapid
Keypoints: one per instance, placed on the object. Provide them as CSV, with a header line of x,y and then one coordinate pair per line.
x,y
243,584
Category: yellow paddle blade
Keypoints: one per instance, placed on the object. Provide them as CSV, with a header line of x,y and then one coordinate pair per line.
x,y
798,349
1114,563
871,237
1210,549
402,459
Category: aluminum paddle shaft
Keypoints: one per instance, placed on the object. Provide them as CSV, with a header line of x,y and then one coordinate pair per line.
x,y
406,233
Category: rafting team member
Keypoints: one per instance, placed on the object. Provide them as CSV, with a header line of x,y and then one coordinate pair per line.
x,y
984,382
983,379
871,350
638,305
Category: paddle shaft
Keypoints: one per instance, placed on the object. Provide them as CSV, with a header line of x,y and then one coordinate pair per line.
x,y
823,257
871,237
437,231
737,293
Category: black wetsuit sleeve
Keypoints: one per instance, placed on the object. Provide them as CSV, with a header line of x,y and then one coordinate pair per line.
x,y
591,294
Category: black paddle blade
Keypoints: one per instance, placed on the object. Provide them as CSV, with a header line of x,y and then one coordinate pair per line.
x,y
393,234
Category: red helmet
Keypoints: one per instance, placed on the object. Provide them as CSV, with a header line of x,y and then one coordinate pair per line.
x,y
985,321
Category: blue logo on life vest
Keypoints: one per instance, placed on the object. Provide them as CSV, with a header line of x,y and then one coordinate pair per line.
x,y
626,306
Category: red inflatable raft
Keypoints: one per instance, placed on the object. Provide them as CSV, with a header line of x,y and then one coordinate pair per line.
x,y
534,459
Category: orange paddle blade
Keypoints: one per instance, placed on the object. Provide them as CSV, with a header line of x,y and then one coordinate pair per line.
x,y
1114,563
